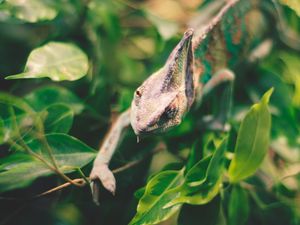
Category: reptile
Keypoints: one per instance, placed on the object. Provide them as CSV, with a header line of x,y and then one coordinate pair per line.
x,y
206,56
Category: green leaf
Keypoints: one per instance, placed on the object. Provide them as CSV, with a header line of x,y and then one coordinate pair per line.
x,y
20,169
59,118
293,4
17,116
31,10
56,60
252,141
41,98
157,194
202,182
67,150
238,207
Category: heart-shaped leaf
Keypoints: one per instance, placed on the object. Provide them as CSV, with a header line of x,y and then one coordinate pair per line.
x,y
56,60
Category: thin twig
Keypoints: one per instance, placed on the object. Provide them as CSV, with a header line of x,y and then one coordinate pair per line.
x,y
81,181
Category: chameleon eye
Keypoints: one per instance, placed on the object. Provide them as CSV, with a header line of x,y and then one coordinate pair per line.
x,y
138,93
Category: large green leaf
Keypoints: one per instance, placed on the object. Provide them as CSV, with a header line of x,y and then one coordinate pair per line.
x,y
238,208
157,194
21,169
31,10
56,60
41,98
59,118
68,150
202,182
252,141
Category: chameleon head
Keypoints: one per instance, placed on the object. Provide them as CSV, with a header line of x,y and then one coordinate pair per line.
x,y
163,99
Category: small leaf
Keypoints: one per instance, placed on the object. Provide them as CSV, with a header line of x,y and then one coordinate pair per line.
x,y
157,194
31,10
238,208
202,182
58,61
41,98
293,4
59,118
21,169
252,141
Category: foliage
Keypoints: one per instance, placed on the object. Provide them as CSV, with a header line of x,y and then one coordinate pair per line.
x,y
86,58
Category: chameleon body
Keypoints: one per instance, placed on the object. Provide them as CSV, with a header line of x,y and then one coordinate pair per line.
x,y
202,59
164,98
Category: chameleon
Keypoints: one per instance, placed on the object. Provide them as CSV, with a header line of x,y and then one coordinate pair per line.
x,y
205,57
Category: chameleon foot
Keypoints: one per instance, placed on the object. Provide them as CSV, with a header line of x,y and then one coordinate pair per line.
x,y
104,174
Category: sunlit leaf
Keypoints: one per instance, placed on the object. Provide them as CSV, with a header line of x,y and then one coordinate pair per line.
x,y
31,10
56,60
20,169
238,208
252,141
41,98
59,118
293,4
202,182
157,194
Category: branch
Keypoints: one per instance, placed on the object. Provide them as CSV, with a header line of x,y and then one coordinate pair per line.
x,y
80,182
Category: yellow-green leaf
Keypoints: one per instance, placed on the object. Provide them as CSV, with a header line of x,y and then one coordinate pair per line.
x,y
56,60
252,141
157,194
202,182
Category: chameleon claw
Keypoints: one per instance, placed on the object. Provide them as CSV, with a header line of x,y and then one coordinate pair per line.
x,y
104,175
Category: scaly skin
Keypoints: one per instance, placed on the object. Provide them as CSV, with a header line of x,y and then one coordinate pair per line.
x,y
161,102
